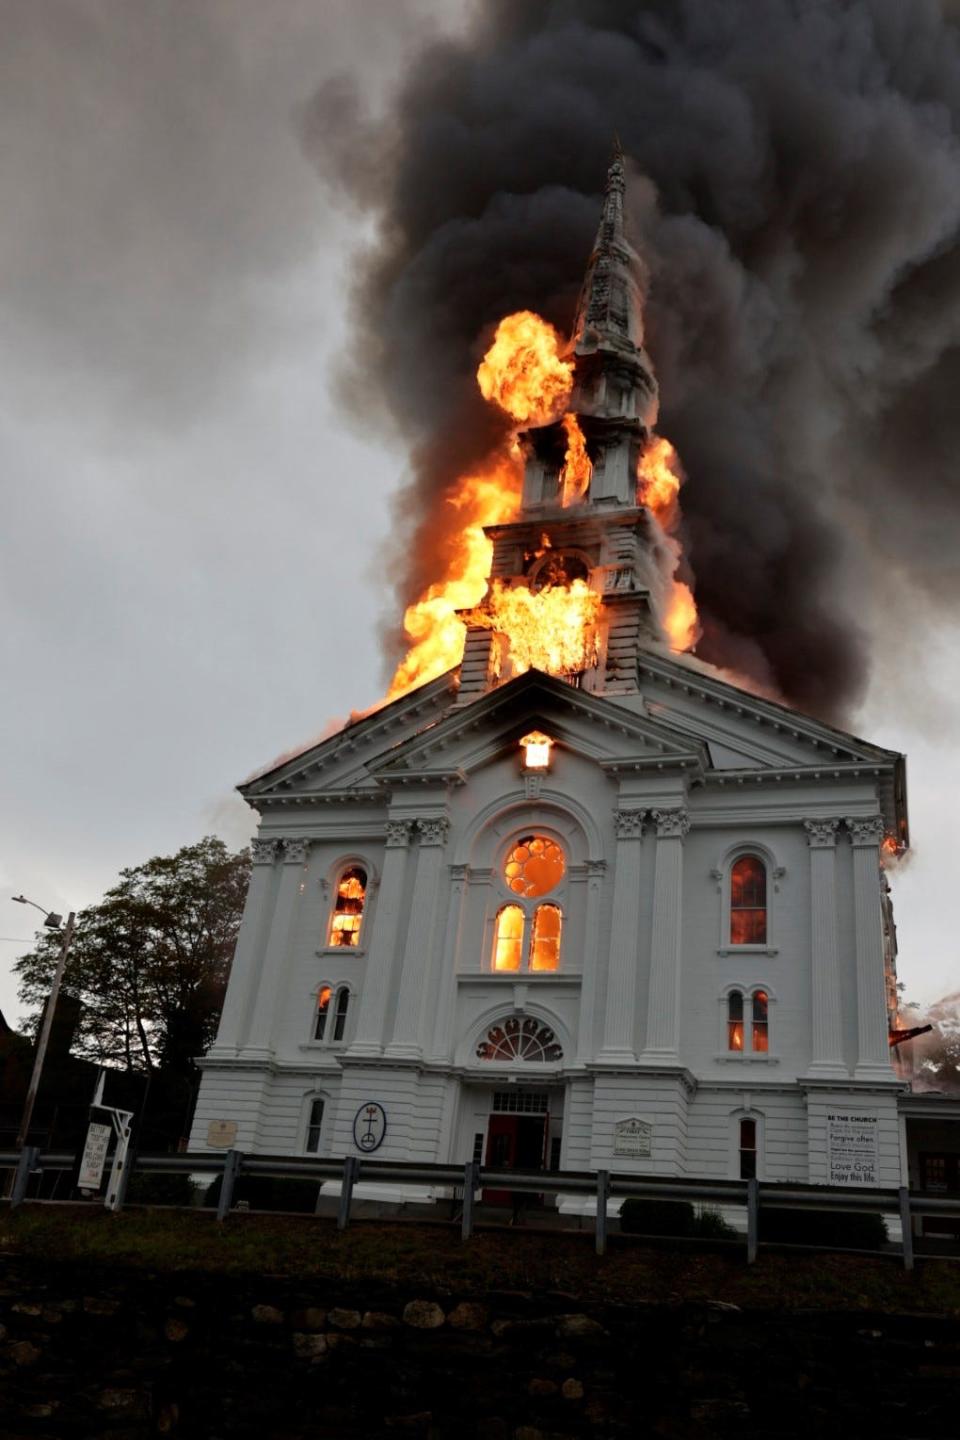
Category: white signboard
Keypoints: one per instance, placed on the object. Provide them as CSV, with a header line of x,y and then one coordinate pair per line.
x,y
94,1156
221,1134
632,1136
852,1148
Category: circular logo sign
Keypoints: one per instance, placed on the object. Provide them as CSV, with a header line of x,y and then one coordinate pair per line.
x,y
369,1127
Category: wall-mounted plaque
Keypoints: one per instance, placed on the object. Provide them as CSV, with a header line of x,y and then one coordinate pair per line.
x,y
369,1127
632,1136
221,1134
852,1148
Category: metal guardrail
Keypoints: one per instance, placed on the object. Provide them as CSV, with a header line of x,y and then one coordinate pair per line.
x,y
467,1180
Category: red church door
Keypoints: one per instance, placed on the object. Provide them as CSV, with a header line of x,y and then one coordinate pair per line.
x,y
515,1142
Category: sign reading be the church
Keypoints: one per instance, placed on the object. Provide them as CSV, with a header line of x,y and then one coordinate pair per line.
x,y
852,1148
632,1136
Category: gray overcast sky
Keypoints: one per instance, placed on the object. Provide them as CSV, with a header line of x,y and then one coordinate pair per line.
x,y
190,526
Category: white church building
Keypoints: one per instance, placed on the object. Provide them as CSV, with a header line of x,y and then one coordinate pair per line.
x,y
631,918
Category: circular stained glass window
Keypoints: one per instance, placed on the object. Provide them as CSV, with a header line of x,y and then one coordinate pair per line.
x,y
534,866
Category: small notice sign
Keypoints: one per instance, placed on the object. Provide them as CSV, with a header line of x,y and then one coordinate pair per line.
x,y
852,1148
94,1156
221,1134
632,1136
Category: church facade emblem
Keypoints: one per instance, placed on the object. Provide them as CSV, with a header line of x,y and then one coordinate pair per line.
x,y
369,1126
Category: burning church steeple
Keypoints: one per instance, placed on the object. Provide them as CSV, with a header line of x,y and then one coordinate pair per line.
x,y
586,566
568,559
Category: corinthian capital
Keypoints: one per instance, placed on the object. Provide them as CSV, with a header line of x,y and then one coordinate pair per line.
x,y
398,833
295,851
671,824
821,834
263,852
629,824
868,831
433,832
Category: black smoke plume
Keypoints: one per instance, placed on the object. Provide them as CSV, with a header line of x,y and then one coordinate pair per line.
x,y
796,196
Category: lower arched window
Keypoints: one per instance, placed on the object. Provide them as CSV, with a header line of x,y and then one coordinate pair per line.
x,y
314,1126
747,1136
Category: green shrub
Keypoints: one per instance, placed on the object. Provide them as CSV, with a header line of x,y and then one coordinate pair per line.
x,y
657,1217
269,1192
843,1230
710,1225
146,1188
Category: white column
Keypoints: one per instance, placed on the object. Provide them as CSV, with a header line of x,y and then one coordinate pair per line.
x,y
621,1015
586,1040
440,1046
418,956
289,895
384,944
663,1008
873,1042
826,1031
251,939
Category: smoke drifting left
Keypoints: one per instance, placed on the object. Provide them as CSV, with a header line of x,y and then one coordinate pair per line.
x,y
796,197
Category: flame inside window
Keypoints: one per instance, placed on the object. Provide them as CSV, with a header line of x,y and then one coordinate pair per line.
x,y
735,1021
323,1010
536,750
508,941
545,944
348,910
748,901
759,1039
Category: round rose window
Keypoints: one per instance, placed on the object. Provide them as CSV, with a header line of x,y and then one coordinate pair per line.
x,y
534,866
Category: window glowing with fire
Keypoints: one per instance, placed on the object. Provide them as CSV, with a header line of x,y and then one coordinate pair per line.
x,y
536,751
748,901
528,937
348,907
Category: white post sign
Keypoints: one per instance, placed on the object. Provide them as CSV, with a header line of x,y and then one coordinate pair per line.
x,y
94,1156
852,1148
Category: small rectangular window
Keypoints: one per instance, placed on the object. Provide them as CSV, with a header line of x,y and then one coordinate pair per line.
x,y
478,1147
314,1126
323,1009
735,1021
748,1149
759,1038
340,1018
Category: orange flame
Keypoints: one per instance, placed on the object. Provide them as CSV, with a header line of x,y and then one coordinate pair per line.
x,y
432,625
577,470
553,629
659,477
522,371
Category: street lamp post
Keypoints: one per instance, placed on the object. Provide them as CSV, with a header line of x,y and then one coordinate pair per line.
x,y
54,921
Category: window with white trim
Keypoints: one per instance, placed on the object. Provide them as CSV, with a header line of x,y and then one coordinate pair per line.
x,y
748,901
349,899
330,1016
747,1147
748,1022
311,1142
527,935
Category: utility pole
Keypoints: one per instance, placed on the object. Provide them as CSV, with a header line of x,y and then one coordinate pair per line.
x,y
44,1036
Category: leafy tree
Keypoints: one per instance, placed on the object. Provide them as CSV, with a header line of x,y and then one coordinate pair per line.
x,y
150,961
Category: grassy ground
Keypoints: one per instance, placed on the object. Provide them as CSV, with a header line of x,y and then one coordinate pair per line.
x,y
432,1256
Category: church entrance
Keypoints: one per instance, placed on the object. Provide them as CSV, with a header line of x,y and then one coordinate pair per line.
x,y
517,1139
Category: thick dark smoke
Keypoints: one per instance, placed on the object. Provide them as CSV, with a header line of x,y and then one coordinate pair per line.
x,y
796,196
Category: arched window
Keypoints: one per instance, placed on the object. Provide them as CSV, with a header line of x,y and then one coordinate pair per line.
x,y
335,1005
748,1025
508,939
527,937
348,907
748,1148
520,1038
758,1042
314,1126
545,944
735,1020
748,901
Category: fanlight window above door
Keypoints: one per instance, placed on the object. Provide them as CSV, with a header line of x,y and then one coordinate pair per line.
x,y
521,1037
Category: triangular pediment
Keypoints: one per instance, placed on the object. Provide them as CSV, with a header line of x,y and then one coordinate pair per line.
x,y
591,725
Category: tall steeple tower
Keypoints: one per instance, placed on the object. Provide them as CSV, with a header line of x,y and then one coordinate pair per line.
x,y
579,518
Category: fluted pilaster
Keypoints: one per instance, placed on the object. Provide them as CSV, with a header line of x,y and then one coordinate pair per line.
x,y
663,1009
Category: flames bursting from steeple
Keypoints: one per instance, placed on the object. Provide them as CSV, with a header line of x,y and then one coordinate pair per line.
x,y
544,386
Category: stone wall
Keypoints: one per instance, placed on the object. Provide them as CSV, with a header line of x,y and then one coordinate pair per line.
x,y
126,1354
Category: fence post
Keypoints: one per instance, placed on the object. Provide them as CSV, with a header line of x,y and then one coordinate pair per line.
x,y
753,1218
351,1169
471,1181
232,1162
906,1228
26,1163
603,1190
